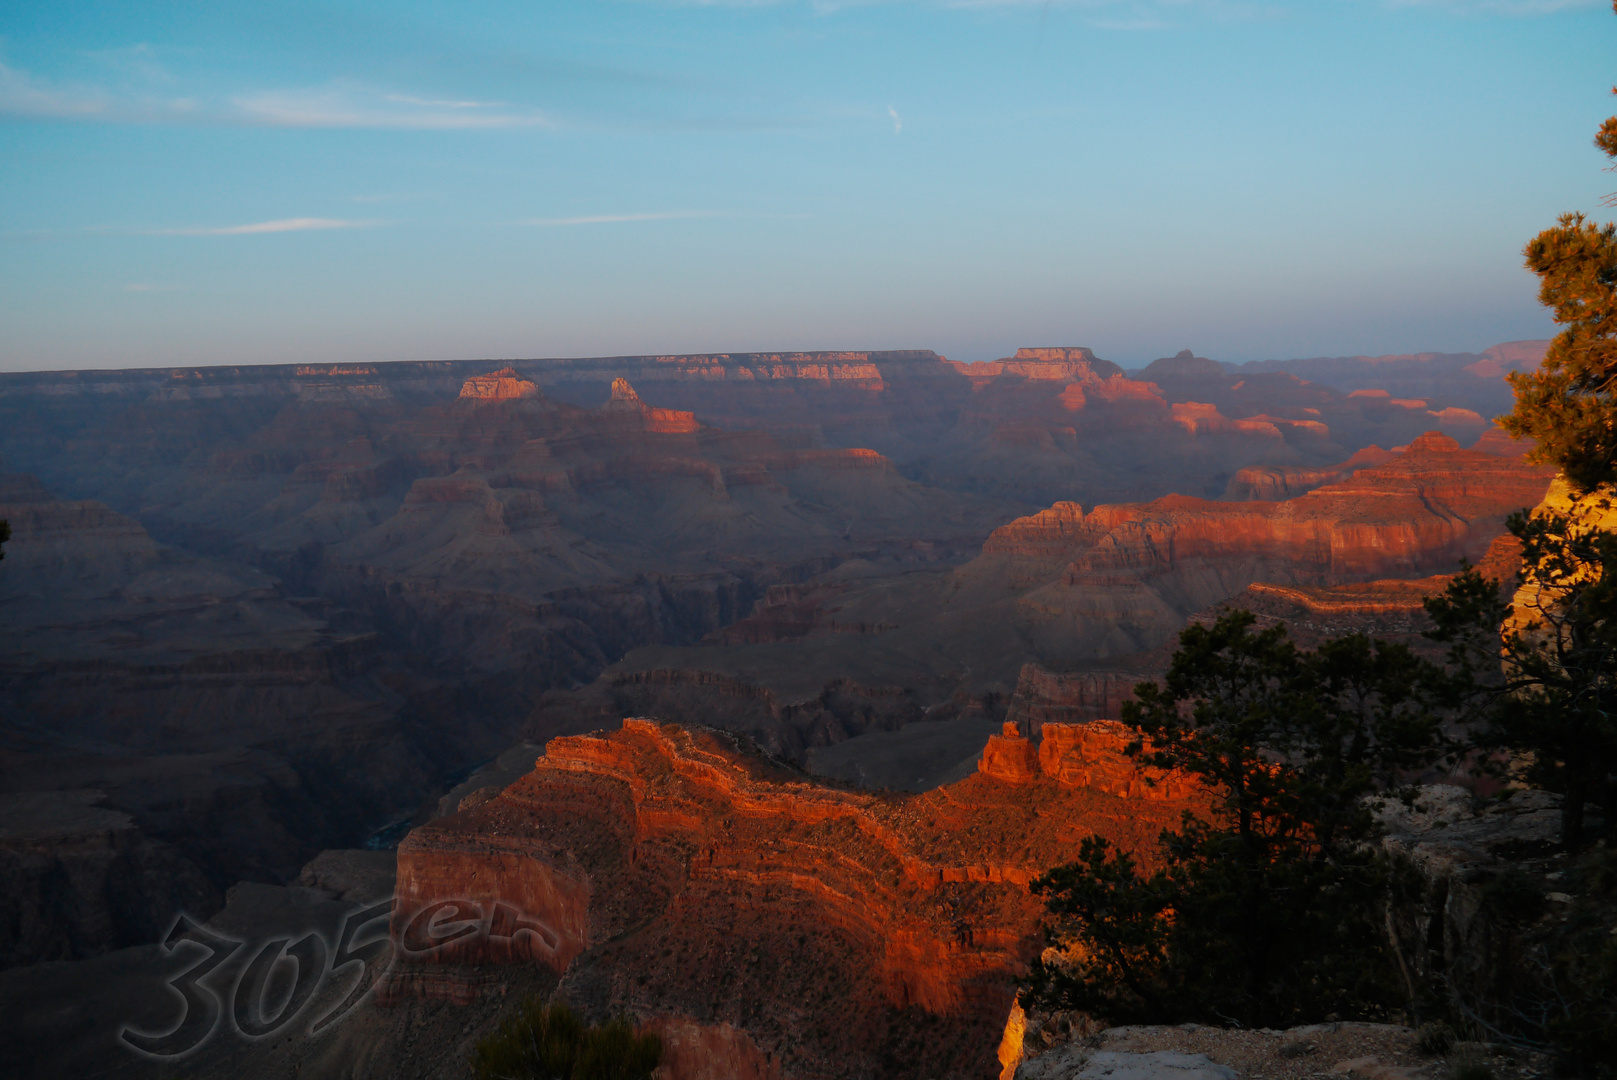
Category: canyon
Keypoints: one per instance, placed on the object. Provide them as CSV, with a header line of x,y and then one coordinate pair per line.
x,y
257,614
1097,594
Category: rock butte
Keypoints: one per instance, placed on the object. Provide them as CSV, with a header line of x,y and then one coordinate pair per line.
x,y
625,401
502,385
682,877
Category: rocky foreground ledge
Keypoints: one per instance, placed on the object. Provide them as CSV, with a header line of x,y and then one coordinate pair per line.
x,y
1351,1051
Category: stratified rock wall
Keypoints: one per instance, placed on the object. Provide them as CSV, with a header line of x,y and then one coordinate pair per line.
x,y
79,879
844,932
1045,697
1122,578
502,385
1273,483
172,725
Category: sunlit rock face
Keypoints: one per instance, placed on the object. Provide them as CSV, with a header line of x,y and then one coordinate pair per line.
x,y
1093,756
1273,483
1123,577
844,932
502,385
1431,503
625,402
1010,757
1533,609
1046,364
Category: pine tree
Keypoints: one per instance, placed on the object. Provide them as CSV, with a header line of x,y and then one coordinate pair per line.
x,y
1569,405
1555,708
1267,914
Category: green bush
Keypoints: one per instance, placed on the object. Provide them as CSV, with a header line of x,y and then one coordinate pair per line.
x,y
540,1041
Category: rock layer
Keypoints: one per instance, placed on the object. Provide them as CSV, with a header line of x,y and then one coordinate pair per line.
x,y
846,933
171,725
1043,697
1122,578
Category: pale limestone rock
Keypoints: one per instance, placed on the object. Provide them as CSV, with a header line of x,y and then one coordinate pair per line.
x,y
1075,1062
1370,1068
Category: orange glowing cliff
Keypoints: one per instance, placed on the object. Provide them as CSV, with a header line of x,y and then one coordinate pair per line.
x,y
679,875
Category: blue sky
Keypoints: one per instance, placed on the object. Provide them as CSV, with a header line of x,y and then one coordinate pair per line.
x,y
342,181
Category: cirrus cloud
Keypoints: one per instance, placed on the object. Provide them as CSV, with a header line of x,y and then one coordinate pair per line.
x,y
608,219
281,225
341,104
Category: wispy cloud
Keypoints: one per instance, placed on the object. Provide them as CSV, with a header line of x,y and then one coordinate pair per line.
x,y
1132,25
302,224
608,219
342,104
1140,14
138,61
1156,14
1500,7
442,104
346,107
898,125
141,286
392,197
23,95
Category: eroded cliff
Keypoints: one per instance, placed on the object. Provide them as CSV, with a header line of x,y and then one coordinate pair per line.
x,y
845,932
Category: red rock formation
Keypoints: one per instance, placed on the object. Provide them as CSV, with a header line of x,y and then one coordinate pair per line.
x,y
1092,756
1122,578
625,402
1049,534
1200,418
842,931
1391,595
1051,364
1089,755
1428,505
1273,483
502,385
527,885
1010,757
1383,597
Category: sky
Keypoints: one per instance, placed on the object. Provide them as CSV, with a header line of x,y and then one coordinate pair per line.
x,y
237,183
